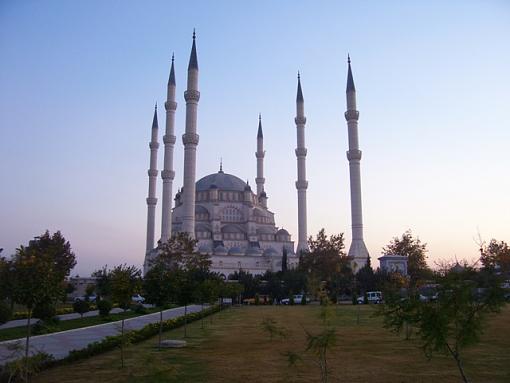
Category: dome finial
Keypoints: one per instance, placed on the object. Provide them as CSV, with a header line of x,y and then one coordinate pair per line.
x,y
221,165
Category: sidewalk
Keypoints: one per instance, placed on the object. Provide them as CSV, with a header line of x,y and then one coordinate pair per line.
x,y
61,343
23,322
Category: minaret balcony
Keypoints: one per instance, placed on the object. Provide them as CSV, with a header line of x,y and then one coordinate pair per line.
x,y
190,138
351,115
354,154
301,152
301,184
152,201
169,139
300,120
152,172
170,106
167,174
192,95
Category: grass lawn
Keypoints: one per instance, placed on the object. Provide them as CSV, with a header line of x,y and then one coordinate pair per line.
x,y
20,332
234,348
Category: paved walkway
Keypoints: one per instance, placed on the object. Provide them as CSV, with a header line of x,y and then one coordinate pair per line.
x,y
61,343
23,322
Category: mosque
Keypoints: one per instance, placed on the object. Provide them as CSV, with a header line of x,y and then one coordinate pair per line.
x,y
231,222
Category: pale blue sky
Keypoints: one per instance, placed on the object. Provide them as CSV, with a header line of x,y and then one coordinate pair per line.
x,y
78,81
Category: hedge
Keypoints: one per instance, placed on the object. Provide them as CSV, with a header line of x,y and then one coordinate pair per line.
x,y
133,336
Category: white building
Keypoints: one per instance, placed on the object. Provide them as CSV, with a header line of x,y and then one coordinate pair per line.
x,y
231,222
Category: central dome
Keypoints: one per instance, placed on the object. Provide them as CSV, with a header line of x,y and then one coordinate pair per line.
x,y
222,181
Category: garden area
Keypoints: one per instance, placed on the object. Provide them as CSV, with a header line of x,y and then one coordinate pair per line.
x,y
268,344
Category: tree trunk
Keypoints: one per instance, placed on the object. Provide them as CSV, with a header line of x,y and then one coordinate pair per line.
x,y
122,344
461,368
27,344
160,327
185,320
202,319
357,316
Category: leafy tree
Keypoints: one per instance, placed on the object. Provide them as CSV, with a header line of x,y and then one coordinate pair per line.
x,y
453,322
325,260
159,284
5,312
415,251
103,282
251,284
81,307
39,271
89,291
496,256
365,278
7,280
284,260
104,306
125,282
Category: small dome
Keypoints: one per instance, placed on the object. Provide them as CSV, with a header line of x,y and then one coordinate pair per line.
x,y
213,186
204,249
282,232
263,195
254,251
247,187
220,250
235,251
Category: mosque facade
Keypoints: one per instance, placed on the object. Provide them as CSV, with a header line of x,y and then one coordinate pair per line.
x,y
231,222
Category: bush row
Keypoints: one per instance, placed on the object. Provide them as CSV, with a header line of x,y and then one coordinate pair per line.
x,y
133,336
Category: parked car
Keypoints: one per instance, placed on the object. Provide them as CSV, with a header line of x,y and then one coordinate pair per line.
x,y
298,299
138,298
372,297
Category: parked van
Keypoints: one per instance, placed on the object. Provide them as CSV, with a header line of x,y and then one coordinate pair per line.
x,y
372,297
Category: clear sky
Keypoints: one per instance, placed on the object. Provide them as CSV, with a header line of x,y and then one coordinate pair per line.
x,y
79,79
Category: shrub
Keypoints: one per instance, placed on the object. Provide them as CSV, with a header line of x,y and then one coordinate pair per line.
x,y
303,300
354,299
44,311
81,307
139,308
104,307
257,300
46,327
291,300
5,312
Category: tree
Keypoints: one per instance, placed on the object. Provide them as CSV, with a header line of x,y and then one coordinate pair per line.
x,y
103,282
415,251
125,282
284,260
39,271
81,306
325,260
496,256
89,291
159,284
453,322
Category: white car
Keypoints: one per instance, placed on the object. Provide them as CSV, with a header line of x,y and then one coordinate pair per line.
x,y
297,299
138,298
372,297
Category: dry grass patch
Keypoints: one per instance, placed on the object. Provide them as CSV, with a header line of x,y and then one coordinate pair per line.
x,y
236,348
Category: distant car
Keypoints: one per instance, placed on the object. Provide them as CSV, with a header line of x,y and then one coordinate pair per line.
x,y
138,298
90,298
298,299
374,297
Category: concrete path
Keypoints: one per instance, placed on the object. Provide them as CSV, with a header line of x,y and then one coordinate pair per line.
x,y
61,343
23,322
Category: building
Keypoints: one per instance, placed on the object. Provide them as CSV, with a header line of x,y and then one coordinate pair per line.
x,y
394,264
231,222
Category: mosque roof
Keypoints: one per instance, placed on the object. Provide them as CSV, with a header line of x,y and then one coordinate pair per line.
x,y
222,181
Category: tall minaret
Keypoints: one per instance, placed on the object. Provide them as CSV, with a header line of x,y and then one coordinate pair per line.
x,y
153,174
301,183
260,160
358,251
190,141
168,173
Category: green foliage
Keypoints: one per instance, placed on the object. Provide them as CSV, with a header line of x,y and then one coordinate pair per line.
x,y
496,256
47,326
284,260
103,282
139,308
22,368
125,281
319,345
257,300
44,311
415,251
451,323
291,299
159,284
104,306
90,290
270,326
5,312
81,307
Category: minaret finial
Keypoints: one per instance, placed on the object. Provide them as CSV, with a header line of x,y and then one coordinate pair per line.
x,y
350,80
173,57
193,61
171,78
298,75
194,34
259,132
155,119
299,97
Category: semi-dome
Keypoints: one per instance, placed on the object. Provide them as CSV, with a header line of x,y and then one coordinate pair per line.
x,y
254,251
282,232
220,250
221,181
235,251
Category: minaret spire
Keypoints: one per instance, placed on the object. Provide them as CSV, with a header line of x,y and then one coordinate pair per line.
x,y
168,173
301,183
259,154
358,251
190,140
153,173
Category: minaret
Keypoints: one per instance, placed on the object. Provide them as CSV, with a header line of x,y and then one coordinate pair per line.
x,y
190,141
153,174
260,160
168,173
358,251
301,183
